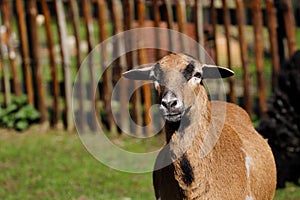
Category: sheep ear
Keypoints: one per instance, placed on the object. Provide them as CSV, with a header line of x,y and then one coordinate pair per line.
x,y
215,72
141,73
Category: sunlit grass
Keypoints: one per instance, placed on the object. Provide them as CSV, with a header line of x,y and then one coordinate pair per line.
x,y
55,165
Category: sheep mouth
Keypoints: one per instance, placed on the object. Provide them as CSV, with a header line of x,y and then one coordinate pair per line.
x,y
173,117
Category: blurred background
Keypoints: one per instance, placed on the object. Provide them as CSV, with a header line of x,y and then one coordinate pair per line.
x,y
44,42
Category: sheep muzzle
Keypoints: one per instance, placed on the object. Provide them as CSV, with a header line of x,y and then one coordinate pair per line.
x,y
172,107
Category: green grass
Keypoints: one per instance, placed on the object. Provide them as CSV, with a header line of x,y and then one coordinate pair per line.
x,y
55,165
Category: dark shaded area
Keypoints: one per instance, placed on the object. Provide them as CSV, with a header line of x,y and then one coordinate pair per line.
x,y
187,170
282,127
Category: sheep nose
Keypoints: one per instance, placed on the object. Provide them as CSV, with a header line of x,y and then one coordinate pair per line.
x,y
169,100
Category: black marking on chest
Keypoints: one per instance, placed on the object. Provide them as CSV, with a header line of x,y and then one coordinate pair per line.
x,y
187,170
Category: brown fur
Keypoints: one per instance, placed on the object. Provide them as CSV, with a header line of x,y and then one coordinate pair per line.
x,y
222,173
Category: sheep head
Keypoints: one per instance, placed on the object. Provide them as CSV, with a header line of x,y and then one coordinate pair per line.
x,y
178,79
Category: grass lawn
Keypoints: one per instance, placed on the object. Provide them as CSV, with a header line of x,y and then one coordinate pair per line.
x,y
55,165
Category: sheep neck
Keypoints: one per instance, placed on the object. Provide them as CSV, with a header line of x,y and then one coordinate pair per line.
x,y
194,125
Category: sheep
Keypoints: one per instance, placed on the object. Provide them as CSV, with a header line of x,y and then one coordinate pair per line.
x,y
239,166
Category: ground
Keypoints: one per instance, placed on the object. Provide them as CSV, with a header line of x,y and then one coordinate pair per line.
x,y
55,165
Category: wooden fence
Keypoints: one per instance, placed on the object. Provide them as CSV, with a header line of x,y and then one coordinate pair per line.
x,y
43,42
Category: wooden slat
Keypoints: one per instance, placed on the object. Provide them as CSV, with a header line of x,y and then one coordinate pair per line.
x,y
259,53
272,25
5,70
181,20
120,63
228,48
199,27
22,30
170,23
131,60
157,22
33,38
214,29
244,55
64,51
82,94
6,11
142,56
90,42
54,83
289,22
107,74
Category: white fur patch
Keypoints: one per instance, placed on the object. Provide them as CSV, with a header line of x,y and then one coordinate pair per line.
x,y
248,162
249,197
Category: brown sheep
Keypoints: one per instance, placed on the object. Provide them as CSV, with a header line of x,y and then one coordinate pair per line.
x,y
240,163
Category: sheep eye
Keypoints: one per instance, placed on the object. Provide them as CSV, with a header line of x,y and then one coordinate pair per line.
x,y
197,75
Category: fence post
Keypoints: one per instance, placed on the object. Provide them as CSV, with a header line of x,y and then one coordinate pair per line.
x,y
90,42
258,26
143,60
33,38
3,66
289,22
271,20
181,20
6,11
244,54
214,21
228,47
199,27
107,74
22,29
54,85
120,63
82,94
131,61
157,20
170,22
62,29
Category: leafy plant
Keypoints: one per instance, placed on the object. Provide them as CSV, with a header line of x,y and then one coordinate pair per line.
x,y
19,114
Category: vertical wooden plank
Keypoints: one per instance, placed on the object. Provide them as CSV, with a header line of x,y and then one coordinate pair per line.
x,y
107,74
157,19
143,60
90,42
272,23
7,17
131,61
228,47
22,30
258,26
214,27
240,11
54,84
33,38
199,23
75,20
120,63
4,67
64,51
289,22
170,22
181,19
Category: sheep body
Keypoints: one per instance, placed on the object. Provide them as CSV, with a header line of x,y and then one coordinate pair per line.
x,y
208,155
241,165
